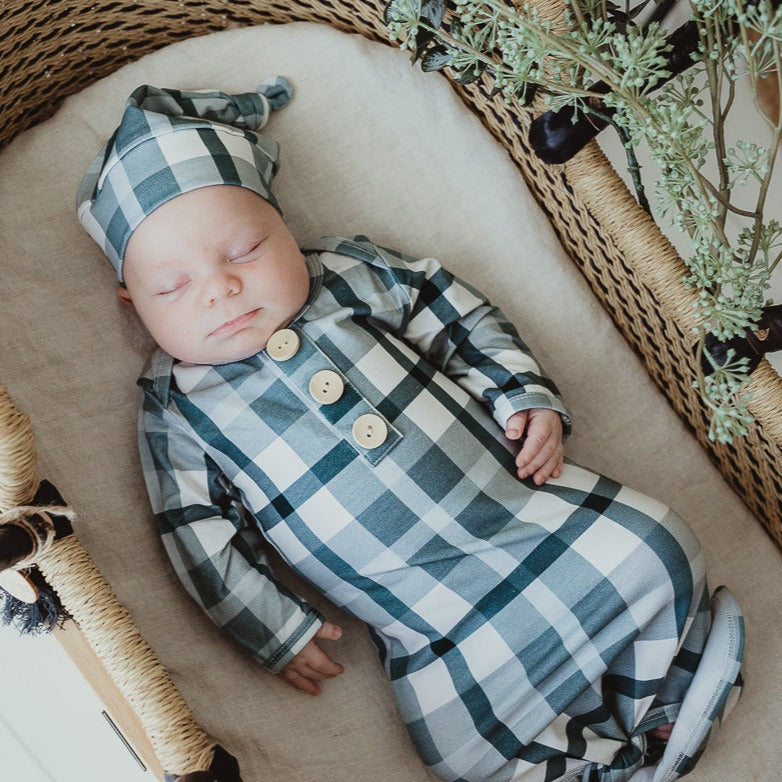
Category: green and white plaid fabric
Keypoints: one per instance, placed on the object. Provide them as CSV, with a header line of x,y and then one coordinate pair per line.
x,y
529,633
170,142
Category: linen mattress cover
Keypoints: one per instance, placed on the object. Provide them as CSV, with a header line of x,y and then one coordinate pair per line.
x,y
371,146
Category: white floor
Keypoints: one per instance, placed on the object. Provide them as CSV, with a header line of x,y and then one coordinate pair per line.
x,y
52,726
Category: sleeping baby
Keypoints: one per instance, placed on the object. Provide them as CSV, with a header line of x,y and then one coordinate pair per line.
x,y
381,425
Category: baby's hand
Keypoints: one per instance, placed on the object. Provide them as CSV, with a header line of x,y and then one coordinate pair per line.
x,y
312,664
542,454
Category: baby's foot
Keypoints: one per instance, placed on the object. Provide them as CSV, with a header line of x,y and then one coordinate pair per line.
x,y
662,732
655,748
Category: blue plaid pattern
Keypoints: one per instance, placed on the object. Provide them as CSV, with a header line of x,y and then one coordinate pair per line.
x,y
528,633
170,142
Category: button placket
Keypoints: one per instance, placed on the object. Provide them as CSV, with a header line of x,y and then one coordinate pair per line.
x,y
300,370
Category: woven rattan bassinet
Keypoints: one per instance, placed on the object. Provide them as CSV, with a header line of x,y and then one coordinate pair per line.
x,y
55,48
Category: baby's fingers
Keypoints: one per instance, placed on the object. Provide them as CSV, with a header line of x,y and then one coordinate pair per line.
x,y
546,456
551,469
300,682
327,670
315,660
537,449
322,666
329,632
515,425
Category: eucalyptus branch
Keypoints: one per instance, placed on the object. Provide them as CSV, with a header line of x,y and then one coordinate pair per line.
x,y
633,166
778,62
559,44
714,75
640,110
729,102
739,211
456,43
498,66
724,202
575,7
603,47
606,74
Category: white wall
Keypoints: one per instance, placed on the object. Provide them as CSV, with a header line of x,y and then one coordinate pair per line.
x,y
51,723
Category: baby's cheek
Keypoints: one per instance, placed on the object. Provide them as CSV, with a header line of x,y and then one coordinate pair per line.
x,y
176,335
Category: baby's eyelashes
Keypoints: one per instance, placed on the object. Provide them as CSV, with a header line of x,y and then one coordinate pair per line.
x,y
167,290
245,257
246,253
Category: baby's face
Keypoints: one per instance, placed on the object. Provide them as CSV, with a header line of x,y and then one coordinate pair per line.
x,y
213,273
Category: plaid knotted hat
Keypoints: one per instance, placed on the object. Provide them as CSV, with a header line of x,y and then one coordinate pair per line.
x,y
170,142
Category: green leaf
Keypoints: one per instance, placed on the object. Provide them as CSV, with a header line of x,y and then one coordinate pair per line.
x,y
387,19
469,75
422,41
432,12
436,58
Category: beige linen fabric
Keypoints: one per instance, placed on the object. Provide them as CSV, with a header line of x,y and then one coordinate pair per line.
x,y
369,145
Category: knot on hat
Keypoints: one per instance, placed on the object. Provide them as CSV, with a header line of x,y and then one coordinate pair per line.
x,y
170,142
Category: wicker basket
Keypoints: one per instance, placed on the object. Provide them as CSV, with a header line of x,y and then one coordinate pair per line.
x,y
55,48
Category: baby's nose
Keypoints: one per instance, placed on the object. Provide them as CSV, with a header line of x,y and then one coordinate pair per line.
x,y
221,285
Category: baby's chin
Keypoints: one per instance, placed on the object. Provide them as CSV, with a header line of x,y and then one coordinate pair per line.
x,y
225,353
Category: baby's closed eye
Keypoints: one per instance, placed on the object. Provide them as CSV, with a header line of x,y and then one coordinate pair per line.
x,y
173,286
246,255
247,251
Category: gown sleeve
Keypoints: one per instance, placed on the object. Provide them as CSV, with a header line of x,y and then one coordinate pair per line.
x,y
470,340
214,546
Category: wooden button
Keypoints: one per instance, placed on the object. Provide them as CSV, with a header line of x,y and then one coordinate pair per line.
x,y
283,344
370,431
326,387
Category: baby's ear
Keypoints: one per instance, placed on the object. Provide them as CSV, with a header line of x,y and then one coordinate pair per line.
x,y
123,295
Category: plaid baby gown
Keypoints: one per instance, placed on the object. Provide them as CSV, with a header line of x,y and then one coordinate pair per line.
x,y
529,633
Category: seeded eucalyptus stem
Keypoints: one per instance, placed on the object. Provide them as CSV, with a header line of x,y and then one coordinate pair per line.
x,y
602,62
633,166
495,64
714,74
606,74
